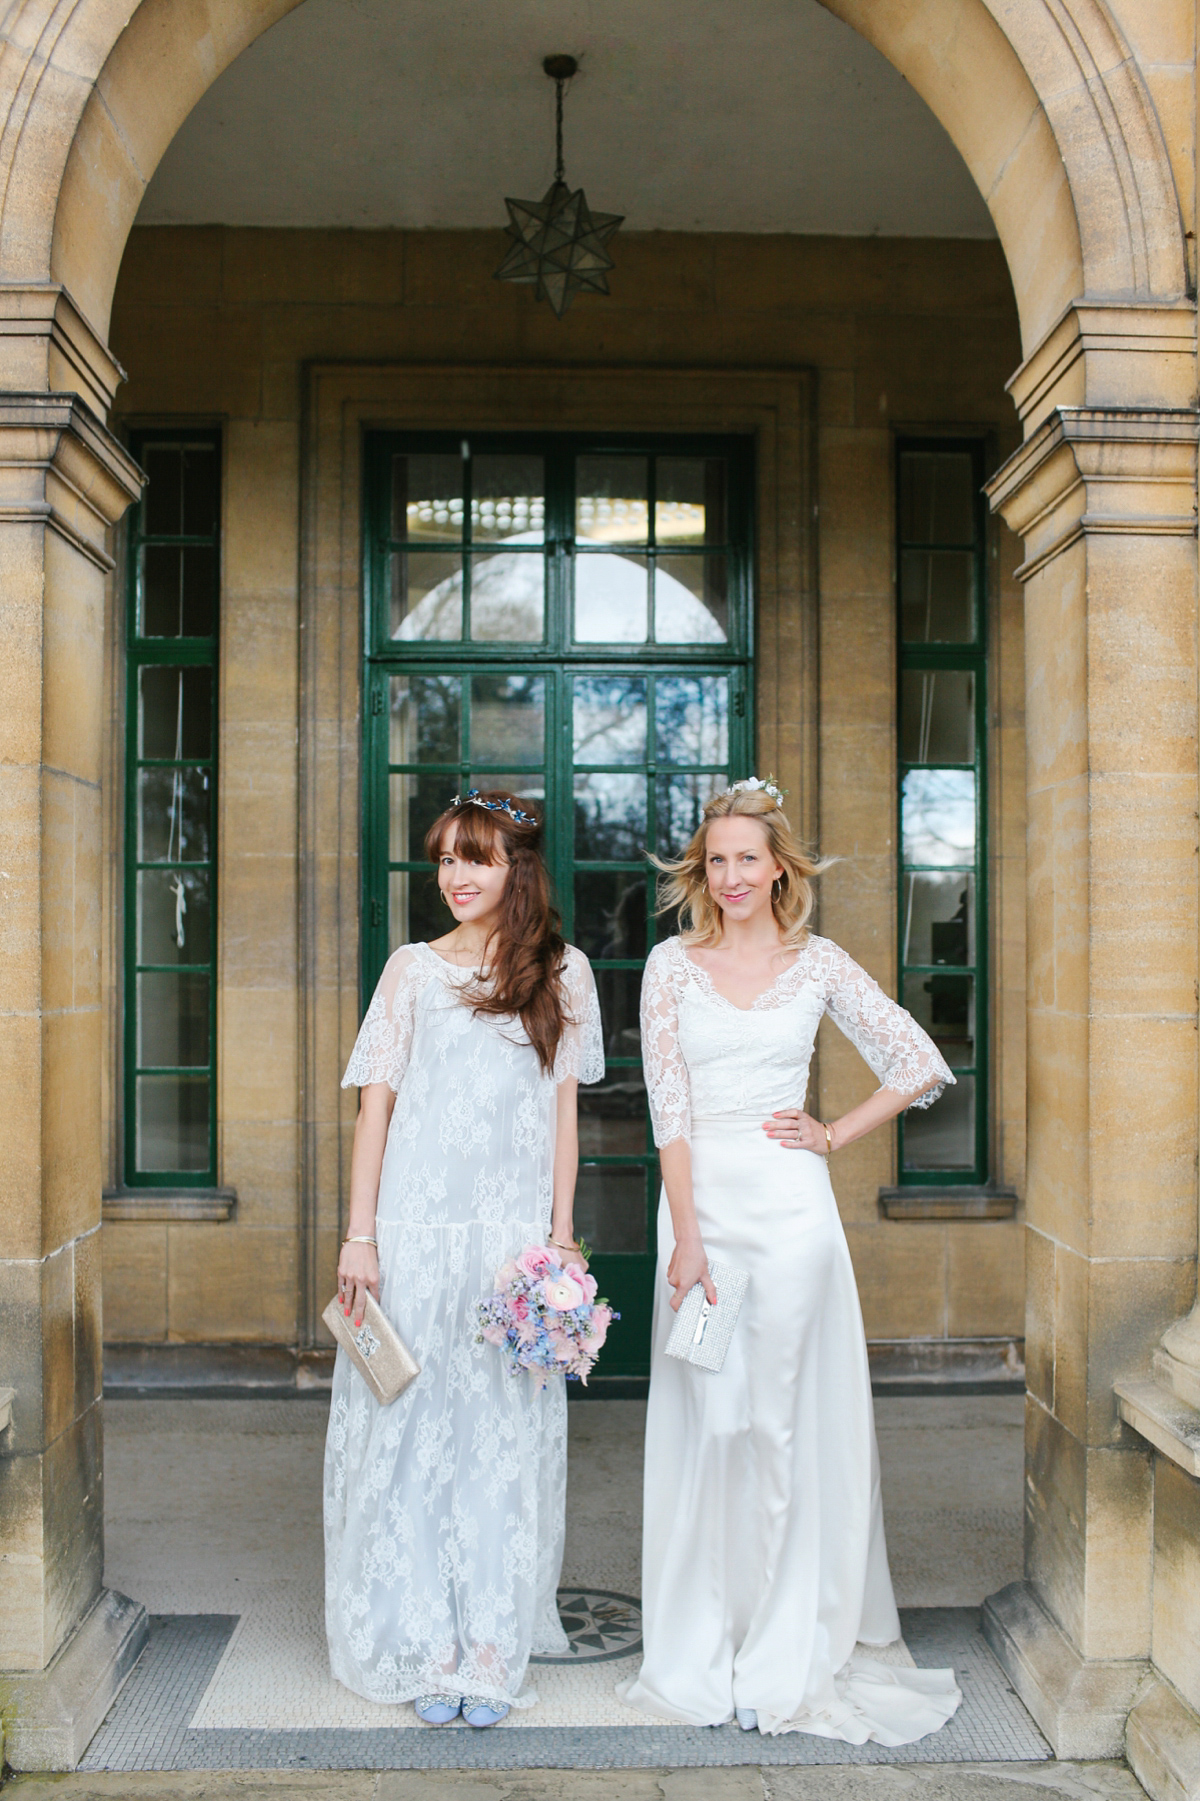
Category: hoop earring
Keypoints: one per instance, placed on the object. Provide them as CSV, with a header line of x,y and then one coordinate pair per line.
x,y
776,889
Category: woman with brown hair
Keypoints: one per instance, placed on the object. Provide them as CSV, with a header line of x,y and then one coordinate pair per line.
x,y
444,1510
763,1556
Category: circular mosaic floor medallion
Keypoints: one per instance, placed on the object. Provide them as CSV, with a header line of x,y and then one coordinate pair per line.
x,y
599,1625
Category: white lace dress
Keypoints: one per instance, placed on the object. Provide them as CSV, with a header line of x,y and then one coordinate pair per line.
x,y
444,1511
763,1549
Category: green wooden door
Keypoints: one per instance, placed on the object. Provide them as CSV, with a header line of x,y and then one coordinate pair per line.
x,y
569,618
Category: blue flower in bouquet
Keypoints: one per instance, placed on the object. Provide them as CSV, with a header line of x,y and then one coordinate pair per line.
x,y
544,1316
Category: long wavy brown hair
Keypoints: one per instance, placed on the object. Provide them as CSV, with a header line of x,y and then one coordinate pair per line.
x,y
524,954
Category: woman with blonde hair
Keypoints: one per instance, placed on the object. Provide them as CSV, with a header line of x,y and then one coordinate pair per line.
x,y
764,1561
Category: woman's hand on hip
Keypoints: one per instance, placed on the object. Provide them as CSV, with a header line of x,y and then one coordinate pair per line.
x,y
358,1277
796,1130
689,1265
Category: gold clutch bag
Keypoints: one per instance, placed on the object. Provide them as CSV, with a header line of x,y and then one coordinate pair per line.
x,y
375,1348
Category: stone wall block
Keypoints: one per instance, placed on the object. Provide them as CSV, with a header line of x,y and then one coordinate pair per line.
x,y
1143,1176
21,889
58,1342
135,1281
901,1275
73,647
1056,698
89,1325
88,886
1034,213
58,890
21,1337
258,920
1072,1331
100,192
1119,1543
985,1279
258,1071
1177,1578
1131,1303
258,786
1040,1286
74,1525
1041,935
1056,1517
1057,1170
262,509
1143,892
220,371
20,1138
266,1159
71,1157
21,645
174,260
226,1285
855,476
21,1530
1071,919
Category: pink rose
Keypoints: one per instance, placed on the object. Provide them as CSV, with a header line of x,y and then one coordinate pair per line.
x,y
563,1292
494,1334
535,1260
588,1284
520,1306
506,1273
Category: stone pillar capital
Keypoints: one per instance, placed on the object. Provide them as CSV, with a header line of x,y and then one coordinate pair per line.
x,y
46,345
60,467
1092,470
1110,353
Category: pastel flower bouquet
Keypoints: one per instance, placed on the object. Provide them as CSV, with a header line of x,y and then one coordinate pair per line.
x,y
544,1317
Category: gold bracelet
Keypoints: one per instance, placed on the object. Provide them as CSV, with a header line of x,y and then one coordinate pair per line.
x,y
559,1245
358,1239
828,1140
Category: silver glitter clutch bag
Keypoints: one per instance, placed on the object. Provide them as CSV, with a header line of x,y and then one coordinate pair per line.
x,y
375,1348
701,1332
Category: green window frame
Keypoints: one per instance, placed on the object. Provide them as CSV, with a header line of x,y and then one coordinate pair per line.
x,y
620,742
941,540
171,722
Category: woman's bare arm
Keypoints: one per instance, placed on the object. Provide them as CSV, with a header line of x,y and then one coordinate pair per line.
x,y
358,1265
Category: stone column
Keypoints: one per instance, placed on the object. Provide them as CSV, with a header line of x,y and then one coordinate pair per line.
x,y
65,1642
1104,498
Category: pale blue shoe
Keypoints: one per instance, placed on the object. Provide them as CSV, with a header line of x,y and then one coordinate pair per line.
x,y
747,1719
478,1712
437,1710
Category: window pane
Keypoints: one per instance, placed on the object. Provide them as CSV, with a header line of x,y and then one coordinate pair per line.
x,y
178,591
945,1006
424,719
610,913
426,595
162,501
937,716
691,600
943,1137
521,784
414,802
173,807
612,1118
172,1020
610,1207
692,718
938,925
174,919
620,995
508,720
937,596
508,598
611,500
199,491
938,816
681,803
611,599
689,503
937,497
171,1123
610,817
610,719
174,712
507,498
416,911
426,496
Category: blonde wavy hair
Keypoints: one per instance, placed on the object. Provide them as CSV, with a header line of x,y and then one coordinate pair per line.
x,y
683,885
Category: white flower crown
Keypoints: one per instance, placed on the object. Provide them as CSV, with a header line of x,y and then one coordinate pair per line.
x,y
752,785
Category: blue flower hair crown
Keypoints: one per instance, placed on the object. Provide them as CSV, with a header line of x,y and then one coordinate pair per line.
x,y
473,798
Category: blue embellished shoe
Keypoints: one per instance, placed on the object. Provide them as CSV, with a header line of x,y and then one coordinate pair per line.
x,y
437,1710
478,1712
747,1719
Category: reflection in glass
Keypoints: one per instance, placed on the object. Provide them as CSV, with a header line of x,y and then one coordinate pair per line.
x,y
610,913
174,916
427,496
945,1006
939,919
508,598
943,1137
610,818
173,807
691,600
172,1020
174,712
620,994
612,1117
171,1123
508,719
690,500
416,912
414,802
611,599
681,802
937,715
610,1206
692,718
937,814
181,494
937,596
424,718
611,500
507,497
426,595
179,585
937,497
610,719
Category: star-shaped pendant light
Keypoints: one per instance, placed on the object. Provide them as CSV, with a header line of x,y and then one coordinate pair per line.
x,y
558,243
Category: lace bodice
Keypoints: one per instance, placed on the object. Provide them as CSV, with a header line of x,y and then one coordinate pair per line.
x,y
707,1059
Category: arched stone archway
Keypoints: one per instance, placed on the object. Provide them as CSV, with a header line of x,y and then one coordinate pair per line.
x,y
1056,121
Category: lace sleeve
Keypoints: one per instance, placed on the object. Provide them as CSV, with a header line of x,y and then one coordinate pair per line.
x,y
903,1056
581,1048
381,1049
667,1084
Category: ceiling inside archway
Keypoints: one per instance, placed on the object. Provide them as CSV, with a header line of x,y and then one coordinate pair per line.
x,y
768,116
